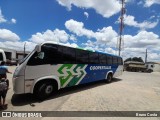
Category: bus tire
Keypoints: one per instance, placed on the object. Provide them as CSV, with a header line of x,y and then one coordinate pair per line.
x,y
44,90
109,78
149,71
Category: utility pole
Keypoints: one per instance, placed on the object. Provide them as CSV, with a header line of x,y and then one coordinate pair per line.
x,y
24,50
146,57
121,26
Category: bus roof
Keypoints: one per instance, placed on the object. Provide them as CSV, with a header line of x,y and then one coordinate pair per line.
x,y
51,42
1,50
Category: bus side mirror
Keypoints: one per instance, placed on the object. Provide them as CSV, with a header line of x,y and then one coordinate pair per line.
x,y
38,48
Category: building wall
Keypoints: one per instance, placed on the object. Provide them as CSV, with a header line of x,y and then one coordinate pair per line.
x,y
9,53
20,55
13,54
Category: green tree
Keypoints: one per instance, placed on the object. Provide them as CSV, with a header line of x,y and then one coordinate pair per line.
x,y
128,59
137,59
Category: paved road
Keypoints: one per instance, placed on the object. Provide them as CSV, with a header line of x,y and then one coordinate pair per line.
x,y
130,92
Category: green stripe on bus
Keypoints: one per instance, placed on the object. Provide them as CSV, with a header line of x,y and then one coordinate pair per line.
x,y
78,77
70,74
63,78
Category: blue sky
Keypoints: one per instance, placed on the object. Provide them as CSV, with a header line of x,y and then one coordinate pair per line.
x,y
92,24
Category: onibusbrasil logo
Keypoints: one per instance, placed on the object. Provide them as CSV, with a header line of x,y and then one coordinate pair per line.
x,y
71,74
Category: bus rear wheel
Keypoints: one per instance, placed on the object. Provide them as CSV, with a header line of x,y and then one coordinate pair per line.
x,y
109,78
44,90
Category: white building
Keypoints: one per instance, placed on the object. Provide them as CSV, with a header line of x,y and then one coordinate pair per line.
x,y
10,54
153,67
13,54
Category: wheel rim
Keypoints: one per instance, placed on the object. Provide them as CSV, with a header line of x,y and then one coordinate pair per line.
x,y
109,78
49,89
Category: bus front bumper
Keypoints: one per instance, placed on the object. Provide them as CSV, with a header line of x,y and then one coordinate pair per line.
x,y
18,84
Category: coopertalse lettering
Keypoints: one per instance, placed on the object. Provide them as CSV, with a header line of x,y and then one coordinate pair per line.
x,y
100,67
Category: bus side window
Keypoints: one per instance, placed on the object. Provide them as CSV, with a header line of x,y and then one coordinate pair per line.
x,y
102,58
53,55
120,62
35,60
115,60
109,60
93,58
81,56
69,55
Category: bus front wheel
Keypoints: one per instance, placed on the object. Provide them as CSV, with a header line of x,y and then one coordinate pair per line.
x,y
109,78
44,90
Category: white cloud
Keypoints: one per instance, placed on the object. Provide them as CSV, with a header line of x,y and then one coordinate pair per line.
x,y
138,50
71,44
130,21
140,3
73,38
127,52
133,52
149,3
49,35
78,28
7,35
131,1
89,45
153,16
135,46
106,40
86,14
13,21
106,8
105,34
2,19
142,39
154,57
110,50
141,52
29,45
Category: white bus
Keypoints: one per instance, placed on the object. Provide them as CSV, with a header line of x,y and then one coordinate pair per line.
x,y
2,56
50,67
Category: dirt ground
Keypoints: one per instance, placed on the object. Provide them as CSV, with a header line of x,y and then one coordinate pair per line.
x,y
130,92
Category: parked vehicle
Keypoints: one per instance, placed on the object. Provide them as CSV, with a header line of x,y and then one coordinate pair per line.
x,y
11,62
50,67
153,67
135,66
